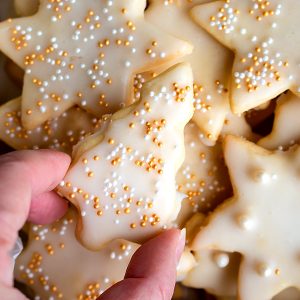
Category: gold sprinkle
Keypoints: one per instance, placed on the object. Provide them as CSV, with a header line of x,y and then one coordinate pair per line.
x,y
132,225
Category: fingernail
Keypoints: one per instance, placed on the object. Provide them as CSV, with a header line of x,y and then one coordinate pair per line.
x,y
180,244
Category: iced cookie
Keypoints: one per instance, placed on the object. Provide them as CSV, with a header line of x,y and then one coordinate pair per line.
x,y
25,8
265,38
286,127
55,266
123,180
203,176
261,219
83,52
211,63
61,133
215,271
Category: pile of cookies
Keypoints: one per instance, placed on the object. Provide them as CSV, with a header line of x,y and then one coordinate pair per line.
x,y
177,113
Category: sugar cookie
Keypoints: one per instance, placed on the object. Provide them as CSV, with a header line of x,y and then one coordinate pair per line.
x,y
83,52
203,176
260,220
215,271
55,266
286,127
265,38
61,133
123,182
211,63
25,8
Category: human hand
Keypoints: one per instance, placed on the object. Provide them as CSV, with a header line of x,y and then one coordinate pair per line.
x,y
27,181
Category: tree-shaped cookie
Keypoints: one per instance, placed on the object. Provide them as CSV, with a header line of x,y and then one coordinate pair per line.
x,y
286,127
123,179
211,63
61,133
261,219
265,38
83,52
56,266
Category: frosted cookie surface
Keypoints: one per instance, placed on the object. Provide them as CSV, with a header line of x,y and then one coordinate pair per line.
x,y
124,183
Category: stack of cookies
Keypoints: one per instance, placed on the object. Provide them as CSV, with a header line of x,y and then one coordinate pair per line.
x,y
177,113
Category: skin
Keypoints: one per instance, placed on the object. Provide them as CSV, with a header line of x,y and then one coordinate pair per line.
x,y
26,193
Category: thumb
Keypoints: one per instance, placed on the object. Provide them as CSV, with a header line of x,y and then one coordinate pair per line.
x,y
151,273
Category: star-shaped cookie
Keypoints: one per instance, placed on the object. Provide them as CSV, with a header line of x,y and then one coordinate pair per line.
x,y
286,127
123,179
265,38
211,63
61,133
85,274
83,52
261,219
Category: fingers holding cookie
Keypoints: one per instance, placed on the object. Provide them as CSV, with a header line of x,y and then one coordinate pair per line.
x,y
127,181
